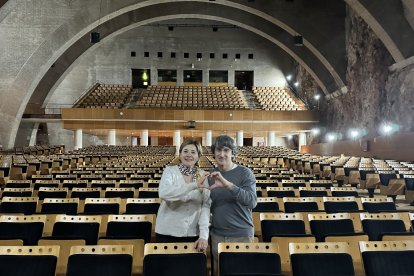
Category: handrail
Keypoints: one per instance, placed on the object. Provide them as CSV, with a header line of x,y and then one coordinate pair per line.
x,y
85,93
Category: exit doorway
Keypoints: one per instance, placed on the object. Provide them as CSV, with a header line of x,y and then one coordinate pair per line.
x,y
243,80
141,78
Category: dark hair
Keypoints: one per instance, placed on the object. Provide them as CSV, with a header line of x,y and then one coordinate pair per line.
x,y
224,141
191,142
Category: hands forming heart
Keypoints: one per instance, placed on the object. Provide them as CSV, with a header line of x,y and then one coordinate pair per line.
x,y
219,181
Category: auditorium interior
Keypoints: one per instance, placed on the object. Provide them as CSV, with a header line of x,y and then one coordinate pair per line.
x,y
96,97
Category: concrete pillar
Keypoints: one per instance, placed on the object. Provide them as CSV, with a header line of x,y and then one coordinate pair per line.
x,y
112,137
231,77
78,139
154,140
205,78
144,137
134,141
302,139
33,137
208,140
180,77
177,140
271,138
281,142
240,138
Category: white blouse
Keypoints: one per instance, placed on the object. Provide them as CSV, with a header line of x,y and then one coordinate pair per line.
x,y
185,209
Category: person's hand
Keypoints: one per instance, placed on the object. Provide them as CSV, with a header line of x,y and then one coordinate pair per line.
x,y
201,181
201,244
219,181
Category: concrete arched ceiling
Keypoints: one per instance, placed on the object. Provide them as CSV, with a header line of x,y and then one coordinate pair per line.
x,y
270,20
256,21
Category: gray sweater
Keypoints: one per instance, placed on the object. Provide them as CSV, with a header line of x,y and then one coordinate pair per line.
x,y
232,209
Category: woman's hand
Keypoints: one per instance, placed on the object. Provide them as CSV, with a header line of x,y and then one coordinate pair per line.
x,y
201,181
201,244
220,181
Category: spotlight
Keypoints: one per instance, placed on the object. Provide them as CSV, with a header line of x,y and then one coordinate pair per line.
x,y
354,133
296,84
388,128
330,137
290,137
289,77
315,131
317,97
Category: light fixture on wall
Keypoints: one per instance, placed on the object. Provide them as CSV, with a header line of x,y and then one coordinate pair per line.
x,y
317,97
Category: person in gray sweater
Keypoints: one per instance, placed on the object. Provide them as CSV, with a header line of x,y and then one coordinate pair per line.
x,y
233,195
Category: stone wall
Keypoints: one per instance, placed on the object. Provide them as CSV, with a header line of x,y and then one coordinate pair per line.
x,y
375,93
308,88
399,106
364,104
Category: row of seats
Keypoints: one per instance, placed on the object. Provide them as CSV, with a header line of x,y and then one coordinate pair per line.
x,y
322,225
81,203
69,231
105,96
309,258
192,97
276,98
268,163
117,201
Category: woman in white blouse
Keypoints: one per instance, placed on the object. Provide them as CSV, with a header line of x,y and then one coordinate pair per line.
x,y
184,213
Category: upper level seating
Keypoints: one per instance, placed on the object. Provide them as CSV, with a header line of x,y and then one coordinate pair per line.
x,y
105,96
192,97
277,98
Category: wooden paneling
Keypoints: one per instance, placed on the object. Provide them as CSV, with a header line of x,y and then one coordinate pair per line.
x,y
170,119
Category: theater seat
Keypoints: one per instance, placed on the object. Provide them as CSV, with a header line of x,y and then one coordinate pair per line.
x,y
130,227
100,260
323,225
28,260
388,258
77,227
253,259
321,259
176,259
281,224
377,225
27,228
